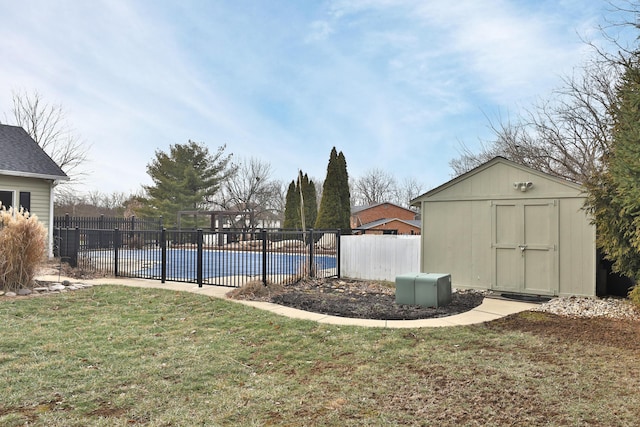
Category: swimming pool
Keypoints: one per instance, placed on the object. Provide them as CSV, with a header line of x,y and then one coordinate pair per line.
x,y
182,264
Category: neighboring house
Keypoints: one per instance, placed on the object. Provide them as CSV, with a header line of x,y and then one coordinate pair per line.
x,y
383,218
28,176
509,228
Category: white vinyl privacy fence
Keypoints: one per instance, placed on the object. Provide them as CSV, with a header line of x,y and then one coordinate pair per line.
x,y
375,257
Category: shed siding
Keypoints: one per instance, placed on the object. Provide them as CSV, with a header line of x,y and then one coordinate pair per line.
x,y
496,183
577,250
457,240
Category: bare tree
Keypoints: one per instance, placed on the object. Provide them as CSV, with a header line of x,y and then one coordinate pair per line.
x,y
46,124
93,203
375,186
408,189
564,135
251,189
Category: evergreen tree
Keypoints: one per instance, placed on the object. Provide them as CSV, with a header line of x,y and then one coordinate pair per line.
x,y
186,178
292,208
345,195
335,206
310,201
614,193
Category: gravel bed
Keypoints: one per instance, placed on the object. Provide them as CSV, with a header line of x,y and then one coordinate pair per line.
x,y
615,308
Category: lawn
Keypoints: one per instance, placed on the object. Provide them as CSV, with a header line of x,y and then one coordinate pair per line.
x,y
110,355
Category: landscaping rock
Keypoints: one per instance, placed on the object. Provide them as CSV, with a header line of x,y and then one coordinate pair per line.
x,y
616,308
45,288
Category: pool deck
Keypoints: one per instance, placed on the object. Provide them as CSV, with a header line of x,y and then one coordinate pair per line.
x,y
490,309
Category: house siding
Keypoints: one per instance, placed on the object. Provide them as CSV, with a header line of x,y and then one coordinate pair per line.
x,y
40,190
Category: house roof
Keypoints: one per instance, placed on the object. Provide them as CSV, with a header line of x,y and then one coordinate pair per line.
x,y
356,209
487,165
22,156
373,224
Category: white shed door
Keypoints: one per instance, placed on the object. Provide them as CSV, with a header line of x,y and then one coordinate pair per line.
x,y
525,246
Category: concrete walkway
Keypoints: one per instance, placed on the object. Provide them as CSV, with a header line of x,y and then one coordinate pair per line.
x,y
490,309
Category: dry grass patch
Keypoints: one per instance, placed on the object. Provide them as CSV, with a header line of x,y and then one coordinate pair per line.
x,y
112,355
256,291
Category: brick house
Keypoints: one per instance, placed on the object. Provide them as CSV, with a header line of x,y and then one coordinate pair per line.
x,y
384,218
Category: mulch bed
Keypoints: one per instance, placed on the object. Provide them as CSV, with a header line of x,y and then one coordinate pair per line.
x,y
357,299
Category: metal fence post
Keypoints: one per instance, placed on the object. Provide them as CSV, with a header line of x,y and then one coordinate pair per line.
x,y
163,252
338,235
116,244
311,244
200,254
263,236
132,234
76,248
56,242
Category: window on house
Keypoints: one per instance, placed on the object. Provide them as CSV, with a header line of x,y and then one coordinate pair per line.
x,y
25,200
6,199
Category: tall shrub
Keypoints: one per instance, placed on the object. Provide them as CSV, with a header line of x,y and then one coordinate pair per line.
x,y
292,208
335,206
22,248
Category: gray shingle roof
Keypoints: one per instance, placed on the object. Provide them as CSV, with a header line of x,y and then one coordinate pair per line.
x,y
414,222
20,155
356,209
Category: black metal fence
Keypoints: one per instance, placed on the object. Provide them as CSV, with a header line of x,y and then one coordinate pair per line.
x,y
228,258
107,223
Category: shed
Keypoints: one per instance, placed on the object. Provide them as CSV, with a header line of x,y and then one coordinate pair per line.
x,y
512,229
28,176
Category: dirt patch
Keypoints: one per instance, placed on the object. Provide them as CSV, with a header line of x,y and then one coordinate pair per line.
x,y
357,299
597,331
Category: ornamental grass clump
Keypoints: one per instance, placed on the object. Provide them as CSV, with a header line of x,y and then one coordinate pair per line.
x,y
22,248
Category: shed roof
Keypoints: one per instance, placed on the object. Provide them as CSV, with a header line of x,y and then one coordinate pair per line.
x,y
554,183
22,156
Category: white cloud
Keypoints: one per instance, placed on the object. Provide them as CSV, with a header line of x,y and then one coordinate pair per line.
x,y
386,81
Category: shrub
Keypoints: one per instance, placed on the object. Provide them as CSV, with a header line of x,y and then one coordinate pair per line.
x,y
634,296
22,242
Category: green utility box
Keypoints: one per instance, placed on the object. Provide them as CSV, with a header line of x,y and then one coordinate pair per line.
x,y
425,289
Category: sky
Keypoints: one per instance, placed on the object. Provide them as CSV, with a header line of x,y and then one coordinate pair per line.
x,y
397,85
